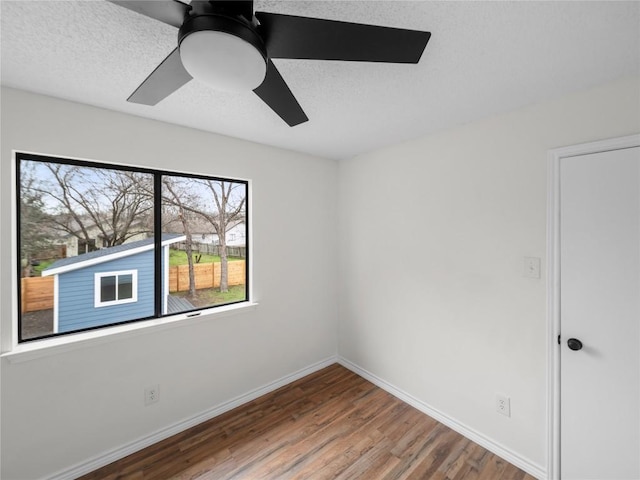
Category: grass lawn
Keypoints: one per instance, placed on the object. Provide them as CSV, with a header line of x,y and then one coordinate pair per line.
x,y
37,269
212,296
179,257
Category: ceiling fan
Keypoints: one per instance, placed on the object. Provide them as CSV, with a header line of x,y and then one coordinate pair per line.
x,y
223,43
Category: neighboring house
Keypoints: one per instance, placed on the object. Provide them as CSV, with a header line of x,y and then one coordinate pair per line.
x,y
203,232
236,236
77,242
78,246
111,285
96,241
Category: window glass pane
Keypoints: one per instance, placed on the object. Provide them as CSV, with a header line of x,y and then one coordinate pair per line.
x,y
206,222
87,236
107,289
77,220
125,287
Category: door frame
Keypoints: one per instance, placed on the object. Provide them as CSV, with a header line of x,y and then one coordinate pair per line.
x,y
554,157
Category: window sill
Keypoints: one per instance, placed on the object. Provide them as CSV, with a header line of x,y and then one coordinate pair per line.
x,y
53,346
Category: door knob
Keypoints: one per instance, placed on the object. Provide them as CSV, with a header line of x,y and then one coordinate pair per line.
x,y
574,344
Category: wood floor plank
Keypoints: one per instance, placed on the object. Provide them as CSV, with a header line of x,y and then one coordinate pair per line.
x,y
379,460
493,469
332,424
455,461
474,464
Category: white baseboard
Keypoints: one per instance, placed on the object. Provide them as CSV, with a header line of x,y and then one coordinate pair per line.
x,y
159,435
528,466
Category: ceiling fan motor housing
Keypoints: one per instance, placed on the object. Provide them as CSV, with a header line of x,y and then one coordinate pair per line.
x,y
222,51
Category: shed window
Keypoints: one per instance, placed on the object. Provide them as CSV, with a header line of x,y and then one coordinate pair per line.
x,y
113,288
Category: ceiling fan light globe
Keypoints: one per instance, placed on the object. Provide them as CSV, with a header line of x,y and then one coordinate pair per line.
x,y
223,61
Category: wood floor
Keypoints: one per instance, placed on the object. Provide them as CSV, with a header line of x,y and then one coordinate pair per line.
x,y
332,424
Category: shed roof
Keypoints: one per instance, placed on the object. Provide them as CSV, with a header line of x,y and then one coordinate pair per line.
x,y
107,254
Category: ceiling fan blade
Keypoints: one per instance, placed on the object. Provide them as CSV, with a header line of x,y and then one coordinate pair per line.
x,y
224,7
171,12
276,93
168,77
239,7
288,36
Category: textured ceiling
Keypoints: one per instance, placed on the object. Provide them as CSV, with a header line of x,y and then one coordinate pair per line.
x,y
483,58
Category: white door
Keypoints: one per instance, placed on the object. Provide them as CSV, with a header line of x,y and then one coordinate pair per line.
x,y
600,307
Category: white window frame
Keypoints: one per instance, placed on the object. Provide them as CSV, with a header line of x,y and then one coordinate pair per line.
x,y
98,276
14,350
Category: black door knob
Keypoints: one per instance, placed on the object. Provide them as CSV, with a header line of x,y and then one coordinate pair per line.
x,y
574,344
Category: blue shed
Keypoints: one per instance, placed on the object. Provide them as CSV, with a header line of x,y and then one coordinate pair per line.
x,y
110,286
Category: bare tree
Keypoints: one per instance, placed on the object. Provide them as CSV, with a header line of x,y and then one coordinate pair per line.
x,y
113,201
230,205
34,239
177,197
224,207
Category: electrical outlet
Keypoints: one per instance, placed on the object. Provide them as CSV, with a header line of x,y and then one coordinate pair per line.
x,y
503,405
151,394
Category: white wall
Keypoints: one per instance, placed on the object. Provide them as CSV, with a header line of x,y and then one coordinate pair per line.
x,y
60,410
446,316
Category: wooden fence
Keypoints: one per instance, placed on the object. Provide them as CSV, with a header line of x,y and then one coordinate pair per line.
x,y
54,252
36,294
209,249
207,275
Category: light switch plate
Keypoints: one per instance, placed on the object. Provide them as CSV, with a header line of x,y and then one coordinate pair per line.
x,y
531,267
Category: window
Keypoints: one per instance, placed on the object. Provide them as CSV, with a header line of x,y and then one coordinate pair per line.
x,y
85,246
152,259
113,288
